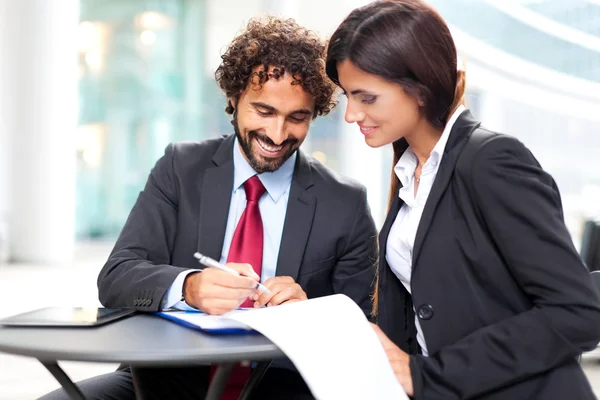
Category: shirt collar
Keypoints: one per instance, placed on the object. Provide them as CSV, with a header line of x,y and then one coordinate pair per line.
x,y
407,164
440,146
276,183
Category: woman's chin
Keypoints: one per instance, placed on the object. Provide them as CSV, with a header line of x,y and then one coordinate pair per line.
x,y
374,142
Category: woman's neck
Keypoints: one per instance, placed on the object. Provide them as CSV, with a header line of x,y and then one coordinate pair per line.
x,y
423,140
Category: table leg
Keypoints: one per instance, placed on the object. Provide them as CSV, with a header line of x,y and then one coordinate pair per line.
x,y
62,378
219,381
254,380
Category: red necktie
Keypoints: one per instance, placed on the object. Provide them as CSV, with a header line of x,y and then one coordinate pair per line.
x,y
246,247
247,243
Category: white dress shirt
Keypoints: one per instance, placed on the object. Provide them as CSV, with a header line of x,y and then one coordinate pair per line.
x,y
400,242
273,207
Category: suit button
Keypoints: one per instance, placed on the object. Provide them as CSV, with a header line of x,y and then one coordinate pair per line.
x,y
425,312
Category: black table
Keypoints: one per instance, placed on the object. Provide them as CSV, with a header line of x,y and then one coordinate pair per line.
x,y
140,340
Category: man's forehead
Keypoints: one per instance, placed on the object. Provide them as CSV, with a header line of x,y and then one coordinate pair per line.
x,y
283,93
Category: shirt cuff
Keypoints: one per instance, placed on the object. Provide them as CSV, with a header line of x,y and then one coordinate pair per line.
x,y
173,296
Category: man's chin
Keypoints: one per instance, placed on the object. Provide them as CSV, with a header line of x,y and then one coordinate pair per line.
x,y
262,164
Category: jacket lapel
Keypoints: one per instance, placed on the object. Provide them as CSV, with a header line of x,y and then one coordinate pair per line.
x,y
298,220
462,128
215,198
385,232
387,312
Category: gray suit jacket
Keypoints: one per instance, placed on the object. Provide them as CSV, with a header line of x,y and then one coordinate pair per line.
x,y
328,244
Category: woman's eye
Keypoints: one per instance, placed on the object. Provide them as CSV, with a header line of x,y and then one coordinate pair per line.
x,y
369,99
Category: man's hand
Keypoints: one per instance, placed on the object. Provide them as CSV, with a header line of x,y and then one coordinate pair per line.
x,y
283,290
216,292
399,360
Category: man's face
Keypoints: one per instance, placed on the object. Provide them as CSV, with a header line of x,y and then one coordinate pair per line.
x,y
271,121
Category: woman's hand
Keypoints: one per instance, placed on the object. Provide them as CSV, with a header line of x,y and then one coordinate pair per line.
x,y
399,360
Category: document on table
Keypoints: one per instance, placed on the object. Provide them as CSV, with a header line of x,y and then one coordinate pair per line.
x,y
333,346
328,339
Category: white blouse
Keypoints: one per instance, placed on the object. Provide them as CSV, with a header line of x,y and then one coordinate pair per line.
x,y
400,242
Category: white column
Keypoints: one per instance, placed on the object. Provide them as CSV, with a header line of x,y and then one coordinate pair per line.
x,y
5,161
38,53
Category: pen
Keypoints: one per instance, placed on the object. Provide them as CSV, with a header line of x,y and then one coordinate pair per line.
x,y
209,262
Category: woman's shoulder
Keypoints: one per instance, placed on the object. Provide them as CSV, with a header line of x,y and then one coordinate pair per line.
x,y
483,147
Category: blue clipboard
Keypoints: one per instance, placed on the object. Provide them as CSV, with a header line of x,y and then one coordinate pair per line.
x,y
207,323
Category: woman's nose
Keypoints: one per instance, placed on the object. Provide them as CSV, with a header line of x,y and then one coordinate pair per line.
x,y
353,113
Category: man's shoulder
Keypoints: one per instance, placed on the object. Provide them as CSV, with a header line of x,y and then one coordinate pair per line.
x,y
193,147
199,154
188,158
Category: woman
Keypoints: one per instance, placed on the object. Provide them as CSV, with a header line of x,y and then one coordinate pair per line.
x,y
480,289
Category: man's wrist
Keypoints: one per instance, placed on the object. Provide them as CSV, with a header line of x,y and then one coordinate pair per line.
x,y
185,296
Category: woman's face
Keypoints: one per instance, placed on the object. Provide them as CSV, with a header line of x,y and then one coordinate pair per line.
x,y
382,110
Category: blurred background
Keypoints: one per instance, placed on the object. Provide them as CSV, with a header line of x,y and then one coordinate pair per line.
x,y
126,77
91,92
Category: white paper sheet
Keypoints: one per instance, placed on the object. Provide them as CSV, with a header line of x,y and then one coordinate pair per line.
x,y
333,346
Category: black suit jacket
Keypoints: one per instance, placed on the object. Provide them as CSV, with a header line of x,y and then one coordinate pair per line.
x,y
328,243
503,298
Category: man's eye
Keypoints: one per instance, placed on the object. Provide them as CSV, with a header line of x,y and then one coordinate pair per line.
x,y
298,119
264,113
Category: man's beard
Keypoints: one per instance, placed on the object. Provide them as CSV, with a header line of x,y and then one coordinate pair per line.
x,y
259,163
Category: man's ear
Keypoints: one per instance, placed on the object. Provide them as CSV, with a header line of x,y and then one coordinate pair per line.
x,y
231,105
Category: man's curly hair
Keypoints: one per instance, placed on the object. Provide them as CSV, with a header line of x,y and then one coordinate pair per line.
x,y
286,47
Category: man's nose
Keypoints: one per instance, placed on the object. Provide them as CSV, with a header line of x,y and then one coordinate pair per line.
x,y
278,132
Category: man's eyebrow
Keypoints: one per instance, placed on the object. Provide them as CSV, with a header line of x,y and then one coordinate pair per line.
x,y
302,111
263,105
274,110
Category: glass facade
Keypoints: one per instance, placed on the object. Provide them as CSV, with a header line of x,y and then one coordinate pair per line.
x,y
583,15
144,82
486,22
139,89
146,79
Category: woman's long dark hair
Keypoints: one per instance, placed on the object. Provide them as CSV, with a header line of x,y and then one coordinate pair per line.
x,y
406,42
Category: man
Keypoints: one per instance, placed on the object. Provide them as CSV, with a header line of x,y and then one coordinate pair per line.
x,y
251,199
